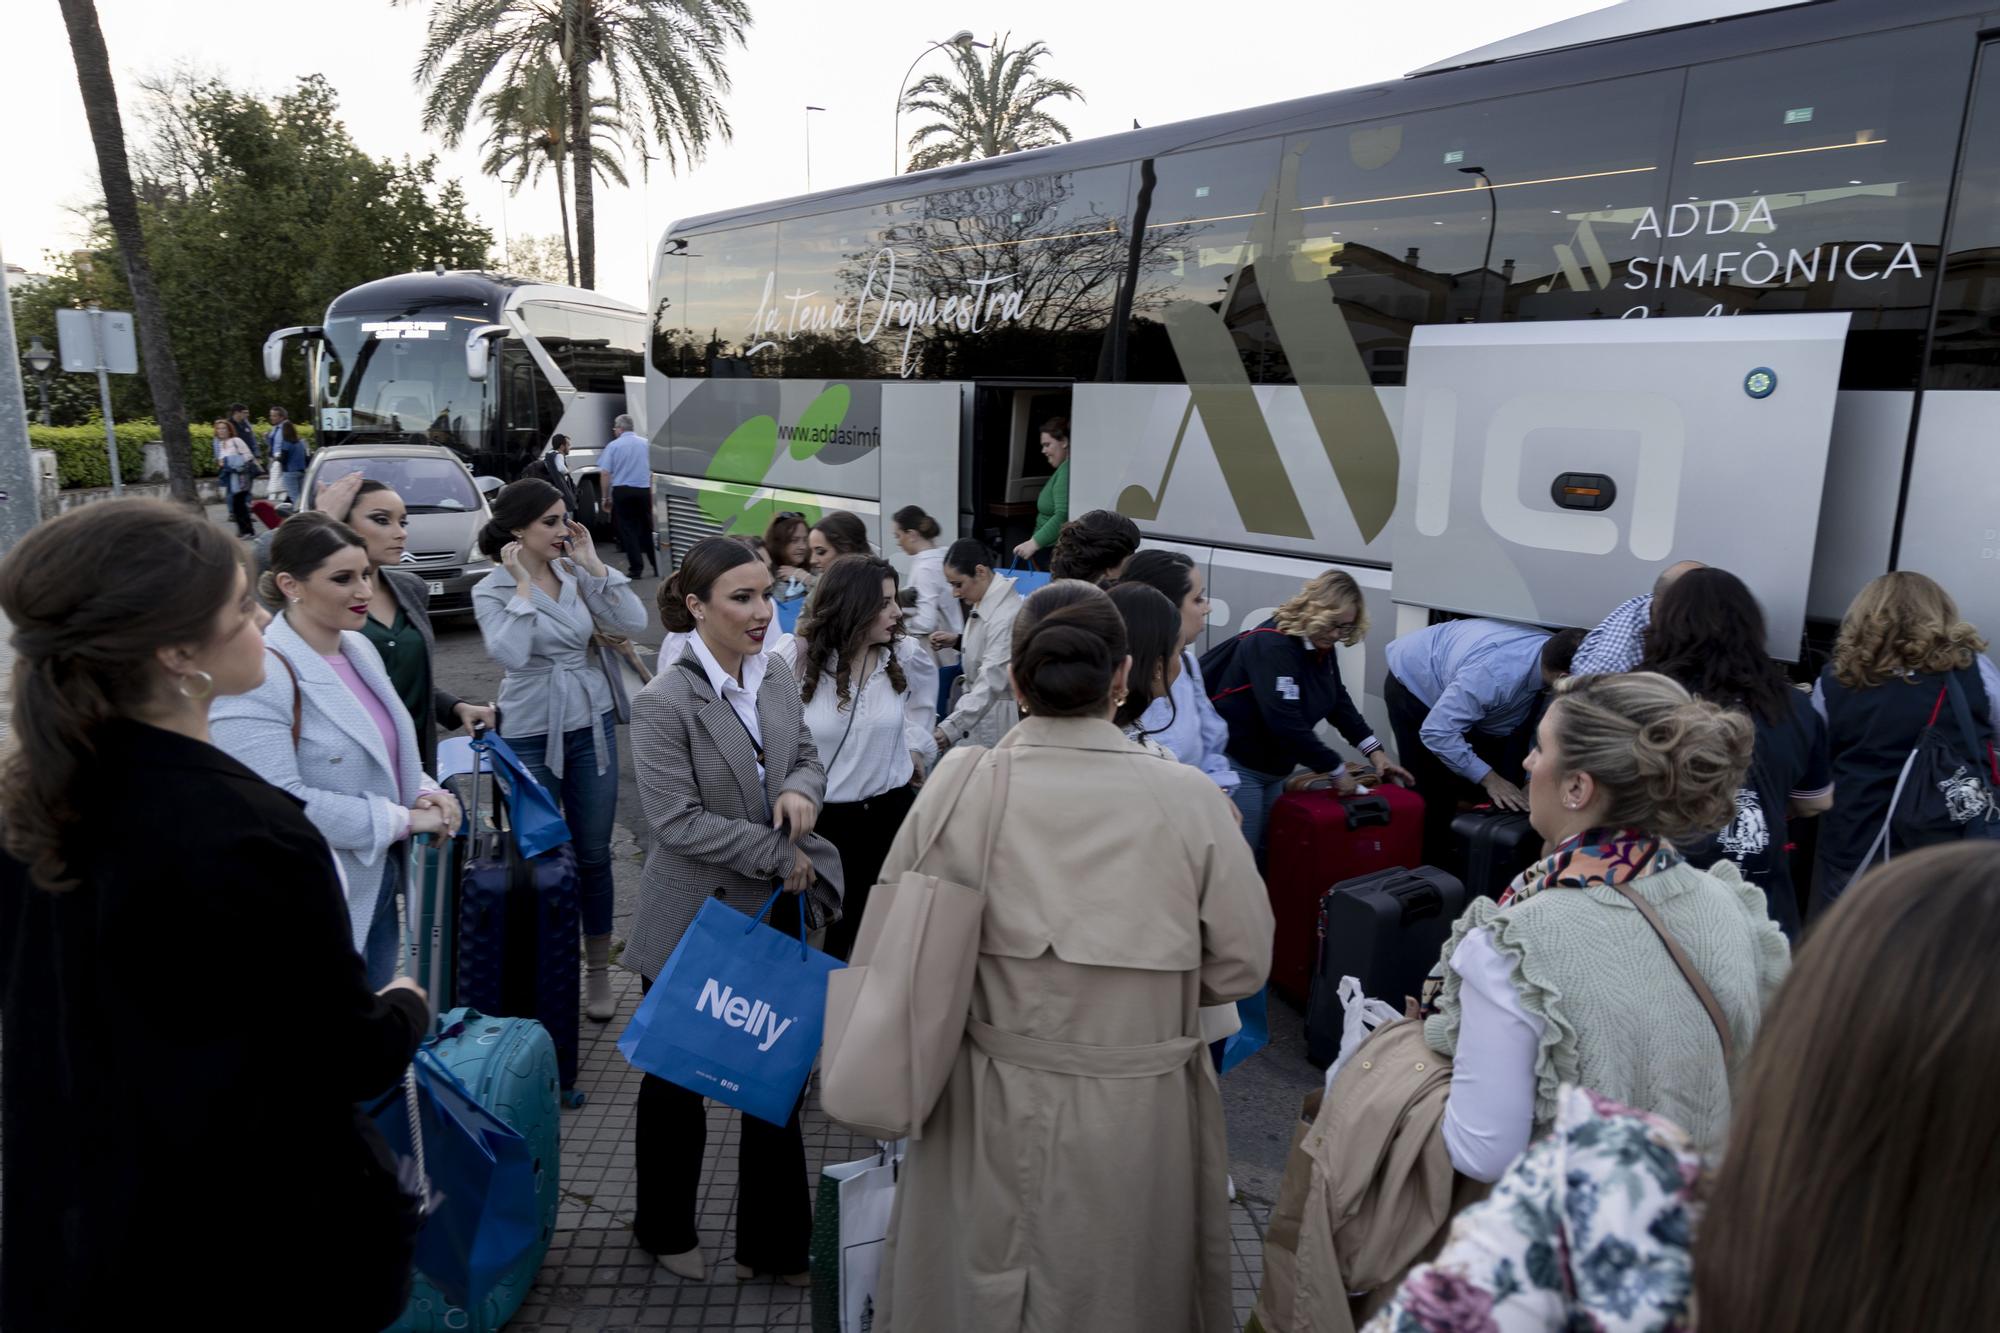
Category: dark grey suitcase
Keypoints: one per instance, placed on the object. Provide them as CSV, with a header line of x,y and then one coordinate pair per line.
x,y
1496,845
1386,930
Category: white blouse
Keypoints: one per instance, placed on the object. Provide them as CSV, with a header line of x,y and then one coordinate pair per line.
x,y
937,605
866,747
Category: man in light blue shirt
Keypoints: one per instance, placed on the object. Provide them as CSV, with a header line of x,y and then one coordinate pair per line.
x,y
1462,699
628,463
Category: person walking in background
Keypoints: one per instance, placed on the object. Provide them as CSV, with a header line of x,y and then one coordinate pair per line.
x,y
1619,641
553,467
1052,502
326,726
937,607
289,456
722,722
1562,981
836,534
133,846
236,464
1094,547
1183,719
1462,697
868,691
1854,1225
539,613
1708,633
1072,1174
1274,683
1901,652
399,622
628,462
985,708
790,543
240,424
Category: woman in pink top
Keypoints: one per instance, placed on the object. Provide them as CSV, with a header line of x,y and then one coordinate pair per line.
x,y
327,727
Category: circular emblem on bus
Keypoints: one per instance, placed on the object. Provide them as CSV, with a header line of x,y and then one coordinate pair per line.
x,y
1761,382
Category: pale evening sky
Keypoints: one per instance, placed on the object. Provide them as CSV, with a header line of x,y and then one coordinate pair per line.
x,y
1187,60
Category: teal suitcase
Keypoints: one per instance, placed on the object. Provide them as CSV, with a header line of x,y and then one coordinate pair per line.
x,y
509,1064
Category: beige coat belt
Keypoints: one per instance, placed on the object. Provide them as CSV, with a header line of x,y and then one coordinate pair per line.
x,y
1061,1057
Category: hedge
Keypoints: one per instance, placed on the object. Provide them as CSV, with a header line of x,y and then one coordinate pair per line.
x,y
80,454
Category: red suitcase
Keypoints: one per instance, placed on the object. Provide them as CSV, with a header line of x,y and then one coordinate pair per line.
x,y
1315,840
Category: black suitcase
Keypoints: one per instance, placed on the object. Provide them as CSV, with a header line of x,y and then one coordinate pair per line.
x,y
1495,846
1386,930
519,922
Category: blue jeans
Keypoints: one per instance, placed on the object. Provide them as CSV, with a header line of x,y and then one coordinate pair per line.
x,y
589,801
1255,794
384,946
295,486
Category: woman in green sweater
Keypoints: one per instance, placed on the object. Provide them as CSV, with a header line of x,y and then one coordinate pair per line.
x,y
1052,505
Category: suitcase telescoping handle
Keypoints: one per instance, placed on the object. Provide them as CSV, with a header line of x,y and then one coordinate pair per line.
x,y
1363,811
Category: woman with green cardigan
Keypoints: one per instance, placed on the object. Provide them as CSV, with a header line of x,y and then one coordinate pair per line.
x,y
1052,505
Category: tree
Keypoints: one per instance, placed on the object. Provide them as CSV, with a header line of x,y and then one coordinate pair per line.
x,y
530,134
987,106
107,134
543,258
662,61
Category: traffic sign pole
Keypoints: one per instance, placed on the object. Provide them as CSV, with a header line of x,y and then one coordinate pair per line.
x,y
104,398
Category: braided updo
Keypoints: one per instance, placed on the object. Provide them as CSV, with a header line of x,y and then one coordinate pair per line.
x,y
1669,763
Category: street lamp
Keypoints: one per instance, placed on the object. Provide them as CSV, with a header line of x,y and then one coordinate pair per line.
x,y
40,359
809,146
1492,220
962,39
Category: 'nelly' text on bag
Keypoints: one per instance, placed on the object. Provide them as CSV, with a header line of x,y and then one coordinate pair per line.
x,y
759,1019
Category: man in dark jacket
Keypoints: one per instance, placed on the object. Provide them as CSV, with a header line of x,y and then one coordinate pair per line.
x,y
239,421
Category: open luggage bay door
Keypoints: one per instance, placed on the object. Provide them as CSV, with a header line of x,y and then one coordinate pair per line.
x,y
1551,470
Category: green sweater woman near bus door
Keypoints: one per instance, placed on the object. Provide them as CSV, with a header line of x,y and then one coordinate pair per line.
x,y
1052,505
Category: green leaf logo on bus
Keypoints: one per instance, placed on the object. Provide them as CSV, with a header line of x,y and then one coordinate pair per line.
x,y
751,449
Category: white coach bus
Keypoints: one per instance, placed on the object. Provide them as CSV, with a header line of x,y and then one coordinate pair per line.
x,y
1226,309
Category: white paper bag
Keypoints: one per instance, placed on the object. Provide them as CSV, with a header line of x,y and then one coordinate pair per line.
x,y
867,1194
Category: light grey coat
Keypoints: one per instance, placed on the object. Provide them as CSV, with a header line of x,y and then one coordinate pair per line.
x,y
708,817
341,768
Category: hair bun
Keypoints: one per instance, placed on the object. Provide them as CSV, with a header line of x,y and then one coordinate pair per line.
x,y
267,588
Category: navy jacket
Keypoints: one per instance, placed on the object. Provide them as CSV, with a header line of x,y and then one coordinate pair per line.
x,y
1273,688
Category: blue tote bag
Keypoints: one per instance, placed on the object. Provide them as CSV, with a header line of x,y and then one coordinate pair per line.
x,y
736,1014
532,813
1255,1034
1027,579
485,1214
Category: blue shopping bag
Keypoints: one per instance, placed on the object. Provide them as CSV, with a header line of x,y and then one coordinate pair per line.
x,y
1027,579
736,1013
788,613
532,813
484,1215
1254,1035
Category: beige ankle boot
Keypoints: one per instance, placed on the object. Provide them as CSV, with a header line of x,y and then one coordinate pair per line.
x,y
597,1001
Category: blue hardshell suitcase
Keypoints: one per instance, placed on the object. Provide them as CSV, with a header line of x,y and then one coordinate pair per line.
x,y
509,1065
519,932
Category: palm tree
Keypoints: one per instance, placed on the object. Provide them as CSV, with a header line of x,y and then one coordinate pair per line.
x,y
661,61
107,133
987,106
530,134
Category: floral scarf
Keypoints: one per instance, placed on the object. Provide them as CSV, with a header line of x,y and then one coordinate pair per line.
x,y
1595,856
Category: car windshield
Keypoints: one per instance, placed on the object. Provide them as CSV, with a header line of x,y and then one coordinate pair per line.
x,y
427,485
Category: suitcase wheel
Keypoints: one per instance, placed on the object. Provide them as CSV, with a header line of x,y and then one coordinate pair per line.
x,y
573,1098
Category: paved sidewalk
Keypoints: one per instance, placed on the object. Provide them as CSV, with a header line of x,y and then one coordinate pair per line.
x,y
596,1277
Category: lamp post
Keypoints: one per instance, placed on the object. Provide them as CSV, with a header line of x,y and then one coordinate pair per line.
x,y
40,359
809,146
962,39
1492,220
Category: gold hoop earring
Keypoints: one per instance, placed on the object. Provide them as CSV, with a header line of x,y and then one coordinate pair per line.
x,y
1118,701
207,686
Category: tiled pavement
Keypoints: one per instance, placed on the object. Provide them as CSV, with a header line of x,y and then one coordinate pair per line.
x,y
596,1277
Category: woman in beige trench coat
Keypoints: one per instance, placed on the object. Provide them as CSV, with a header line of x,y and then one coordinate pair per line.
x,y
1072,1176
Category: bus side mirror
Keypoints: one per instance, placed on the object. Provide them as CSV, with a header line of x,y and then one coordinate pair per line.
x,y
274,348
476,351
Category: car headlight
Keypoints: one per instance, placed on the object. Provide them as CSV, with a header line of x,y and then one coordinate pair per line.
x,y
476,559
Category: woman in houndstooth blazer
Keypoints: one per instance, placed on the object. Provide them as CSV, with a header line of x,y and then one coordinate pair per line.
x,y
730,786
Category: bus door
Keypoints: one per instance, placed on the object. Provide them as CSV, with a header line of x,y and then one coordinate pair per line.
x,y
1552,470
1003,470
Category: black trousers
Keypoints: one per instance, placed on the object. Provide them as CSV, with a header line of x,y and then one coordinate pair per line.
x,y
773,1204
632,516
239,510
862,830
1442,789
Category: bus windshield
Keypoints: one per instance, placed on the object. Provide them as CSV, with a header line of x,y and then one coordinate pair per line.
x,y
403,374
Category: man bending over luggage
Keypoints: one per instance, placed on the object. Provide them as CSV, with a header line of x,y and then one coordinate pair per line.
x,y
1463,701
1619,641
